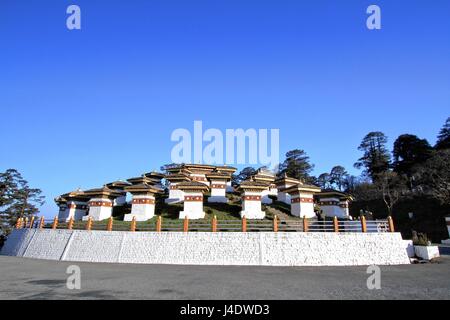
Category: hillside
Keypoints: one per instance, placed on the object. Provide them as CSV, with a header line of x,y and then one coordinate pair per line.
x,y
223,211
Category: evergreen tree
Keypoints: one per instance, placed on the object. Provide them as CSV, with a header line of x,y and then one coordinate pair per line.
x,y
297,165
376,157
337,176
17,199
410,151
350,183
323,180
443,139
243,175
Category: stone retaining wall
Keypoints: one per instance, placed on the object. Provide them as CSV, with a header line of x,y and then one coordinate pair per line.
x,y
206,248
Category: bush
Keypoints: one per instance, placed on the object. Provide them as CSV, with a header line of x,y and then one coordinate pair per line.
x,y
420,239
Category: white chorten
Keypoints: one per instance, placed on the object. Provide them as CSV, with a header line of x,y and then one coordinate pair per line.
x,y
72,205
334,203
101,202
282,184
193,199
251,199
302,201
143,202
218,185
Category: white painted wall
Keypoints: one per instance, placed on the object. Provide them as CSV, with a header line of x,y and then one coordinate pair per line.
x,y
345,211
63,213
99,213
284,197
409,248
427,252
302,209
265,197
218,194
251,209
332,210
78,214
199,177
175,195
206,248
141,211
192,209
273,190
66,212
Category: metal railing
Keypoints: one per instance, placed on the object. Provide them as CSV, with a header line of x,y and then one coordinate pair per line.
x,y
214,225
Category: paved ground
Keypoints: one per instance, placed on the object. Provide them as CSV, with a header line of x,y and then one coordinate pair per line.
x,y
38,279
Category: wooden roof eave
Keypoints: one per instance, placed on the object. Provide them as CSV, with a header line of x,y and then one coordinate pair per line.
x,y
143,189
302,188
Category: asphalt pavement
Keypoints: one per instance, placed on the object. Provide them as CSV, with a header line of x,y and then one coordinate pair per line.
x,y
23,278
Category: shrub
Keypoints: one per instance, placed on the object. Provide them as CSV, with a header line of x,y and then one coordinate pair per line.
x,y
420,239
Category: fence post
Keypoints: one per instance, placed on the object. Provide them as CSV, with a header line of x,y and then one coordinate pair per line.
x,y
391,224
336,224
31,222
110,224
18,223
244,224
89,224
158,224
214,224
55,223
70,224
363,224
41,223
275,223
305,224
186,224
133,224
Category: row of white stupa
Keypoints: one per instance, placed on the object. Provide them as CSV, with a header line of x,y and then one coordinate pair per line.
x,y
188,183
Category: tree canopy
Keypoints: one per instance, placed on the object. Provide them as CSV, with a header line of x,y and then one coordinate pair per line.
x,y
376,157
297,165
410,151
337,176
443,139
243,175
17,199
434,176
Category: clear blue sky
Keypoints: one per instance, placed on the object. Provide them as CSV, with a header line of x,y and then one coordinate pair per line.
x,y
81,108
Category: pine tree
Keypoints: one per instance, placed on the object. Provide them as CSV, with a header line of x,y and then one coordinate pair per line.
x,y
297,165
323,180
17,199
243,175
337,177
410,151
376,157
443,139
